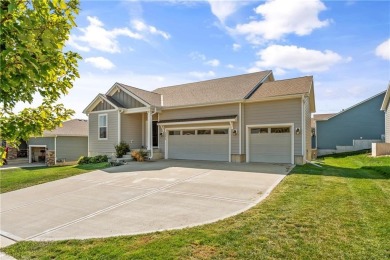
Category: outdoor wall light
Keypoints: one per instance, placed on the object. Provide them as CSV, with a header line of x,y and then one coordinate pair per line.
x,y
297,130
161,134
235,131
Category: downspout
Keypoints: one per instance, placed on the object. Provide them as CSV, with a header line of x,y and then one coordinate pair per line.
x,y
119,125
151,132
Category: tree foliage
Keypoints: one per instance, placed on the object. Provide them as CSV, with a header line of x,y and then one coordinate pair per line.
x,y
33,63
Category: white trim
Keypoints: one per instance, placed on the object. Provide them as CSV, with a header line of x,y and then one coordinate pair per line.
x,y
34,145
302,130
117,85
55,150
197,127
94,103
103,111
143,129
166,145
240,128
149,129
292,132
230,145
99,127
386,100
200,122
136,110
119,126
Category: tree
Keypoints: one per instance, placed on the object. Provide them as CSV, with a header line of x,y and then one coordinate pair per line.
x,y
33,63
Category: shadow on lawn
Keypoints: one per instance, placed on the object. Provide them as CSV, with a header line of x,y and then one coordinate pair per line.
x,y
365,172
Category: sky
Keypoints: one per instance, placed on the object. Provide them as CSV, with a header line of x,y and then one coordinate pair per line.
x,y
344,45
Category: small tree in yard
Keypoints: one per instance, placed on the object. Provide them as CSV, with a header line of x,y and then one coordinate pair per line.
x,y
32,62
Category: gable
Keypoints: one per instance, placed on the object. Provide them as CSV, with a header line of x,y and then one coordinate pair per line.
x,y
126,100
103,105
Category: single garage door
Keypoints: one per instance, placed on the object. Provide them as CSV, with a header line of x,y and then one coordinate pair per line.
x,y
270,144
199,144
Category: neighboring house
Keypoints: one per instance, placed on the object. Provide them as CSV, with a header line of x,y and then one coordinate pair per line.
x,y
354,128
313,127
249,117
68,142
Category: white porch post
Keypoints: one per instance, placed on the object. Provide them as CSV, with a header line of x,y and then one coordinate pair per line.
x,y
149,131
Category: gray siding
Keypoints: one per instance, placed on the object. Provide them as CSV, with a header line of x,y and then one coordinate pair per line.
x,y
207,111
97,146
71,148
307,115
276,112
103,106
126,100
48,141
131,131
364,121
387,119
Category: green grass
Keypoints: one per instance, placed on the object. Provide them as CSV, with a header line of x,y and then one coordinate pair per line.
x,y
339,211
19,178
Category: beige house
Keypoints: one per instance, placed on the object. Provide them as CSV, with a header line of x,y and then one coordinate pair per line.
x,y
244,118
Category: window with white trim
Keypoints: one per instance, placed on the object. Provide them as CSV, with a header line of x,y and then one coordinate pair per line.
x,y
102,127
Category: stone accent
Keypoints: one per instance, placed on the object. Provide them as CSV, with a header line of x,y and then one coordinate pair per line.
x,y
380,149
12,153
50,157
238,158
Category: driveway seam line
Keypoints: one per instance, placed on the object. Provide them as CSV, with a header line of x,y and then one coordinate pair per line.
x,y
113,206
207,196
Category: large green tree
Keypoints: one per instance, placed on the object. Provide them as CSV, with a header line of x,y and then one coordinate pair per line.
x,y
33,63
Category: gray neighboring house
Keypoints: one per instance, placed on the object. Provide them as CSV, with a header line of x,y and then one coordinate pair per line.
x,y
354,128
244,118
68,142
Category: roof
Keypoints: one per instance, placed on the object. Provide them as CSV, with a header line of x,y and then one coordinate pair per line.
x,y
113,101
211,91
284,87
151,98
197,119
320,117
386,100
74,127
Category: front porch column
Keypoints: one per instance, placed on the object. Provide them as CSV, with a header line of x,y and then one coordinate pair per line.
x,y
149,131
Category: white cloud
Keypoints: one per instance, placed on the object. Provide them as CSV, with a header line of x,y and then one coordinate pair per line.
x,y
202,75
71,42
100,63
281,17
197,56
291,57
383,50
230,66
143,27
213,63
95,36
236,46
222,9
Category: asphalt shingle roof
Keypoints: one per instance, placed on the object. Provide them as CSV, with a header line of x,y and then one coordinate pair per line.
x,y
74,127
151,98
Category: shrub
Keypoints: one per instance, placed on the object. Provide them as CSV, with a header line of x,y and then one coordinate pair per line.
x,y
121,149
83,160
101,158
140,155
95,159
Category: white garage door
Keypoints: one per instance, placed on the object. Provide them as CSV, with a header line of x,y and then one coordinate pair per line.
x,y
270,144
202,144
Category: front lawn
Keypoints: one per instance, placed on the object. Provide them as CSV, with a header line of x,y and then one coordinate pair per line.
x,y
339,211
14,179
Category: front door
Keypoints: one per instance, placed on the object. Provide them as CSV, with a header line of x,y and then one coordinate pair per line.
x,y
155,134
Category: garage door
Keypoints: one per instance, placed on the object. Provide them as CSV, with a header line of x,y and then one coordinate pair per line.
x,y
201,144
270,144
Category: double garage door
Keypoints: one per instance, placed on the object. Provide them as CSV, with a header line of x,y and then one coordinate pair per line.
x,y
199,144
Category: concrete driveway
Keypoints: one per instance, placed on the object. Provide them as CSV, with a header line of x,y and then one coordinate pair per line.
x,y
136,198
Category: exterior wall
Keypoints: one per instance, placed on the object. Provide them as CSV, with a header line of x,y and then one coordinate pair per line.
x,y
103,106
387,122
308,129
71,148
276,112
207,111
97,146
48,141
131,130
379,149
364,121
126,100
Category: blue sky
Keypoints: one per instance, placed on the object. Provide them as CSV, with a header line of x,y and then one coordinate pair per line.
x,y
345,45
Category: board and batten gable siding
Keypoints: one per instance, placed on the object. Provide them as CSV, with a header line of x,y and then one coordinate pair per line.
x,y
104,105
126,100
387,123
307,115
276,112
131,130
48,141
71,148
96,146
205,111
364,121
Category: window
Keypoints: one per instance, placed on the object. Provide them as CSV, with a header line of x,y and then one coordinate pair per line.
x,y
102,125
278,130
259,130
221,131
174,132
188,132
204,132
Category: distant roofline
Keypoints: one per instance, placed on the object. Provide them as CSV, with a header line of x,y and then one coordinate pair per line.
x,y
386,100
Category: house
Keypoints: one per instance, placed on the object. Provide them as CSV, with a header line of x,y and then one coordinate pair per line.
x,y
352,129
65,143
384,148
244,118
314,119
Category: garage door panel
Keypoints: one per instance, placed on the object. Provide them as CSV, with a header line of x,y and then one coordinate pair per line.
x,y
270,147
